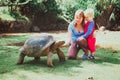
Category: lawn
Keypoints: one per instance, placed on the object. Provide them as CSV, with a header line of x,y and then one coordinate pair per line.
x,y
106,66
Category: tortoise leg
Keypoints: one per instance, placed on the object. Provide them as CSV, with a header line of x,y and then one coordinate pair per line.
x,y
49,59
21,58
36,58
60,55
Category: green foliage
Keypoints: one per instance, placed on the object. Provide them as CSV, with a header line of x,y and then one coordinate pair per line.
x,y
117,3
5,14
37,6
112,17
52,6
44,6
17,15
109,9
70,6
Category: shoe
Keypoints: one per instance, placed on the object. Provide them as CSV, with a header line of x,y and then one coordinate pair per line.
x,y
85,57
91,57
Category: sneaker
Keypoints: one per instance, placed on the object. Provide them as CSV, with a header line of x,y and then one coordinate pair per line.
x,y
85,57
91,57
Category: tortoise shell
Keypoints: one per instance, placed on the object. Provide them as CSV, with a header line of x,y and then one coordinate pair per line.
x,y
36,44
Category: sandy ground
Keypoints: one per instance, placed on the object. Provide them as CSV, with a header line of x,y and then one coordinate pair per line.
x,y
106,39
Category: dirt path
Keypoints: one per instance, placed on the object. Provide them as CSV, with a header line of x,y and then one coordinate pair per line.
x,y
106,39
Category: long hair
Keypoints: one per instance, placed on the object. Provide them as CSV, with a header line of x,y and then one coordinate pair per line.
x,y
78,13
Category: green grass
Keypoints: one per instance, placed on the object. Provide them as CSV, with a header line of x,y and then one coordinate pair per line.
x,y
106,66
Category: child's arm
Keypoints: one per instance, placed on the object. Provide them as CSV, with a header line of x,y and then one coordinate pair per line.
x,y
90,29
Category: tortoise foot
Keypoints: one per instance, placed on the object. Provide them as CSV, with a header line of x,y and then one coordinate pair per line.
x,y
21,59
62,59
19,63
50,65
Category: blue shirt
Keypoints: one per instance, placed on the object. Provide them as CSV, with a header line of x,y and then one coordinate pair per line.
x,y
90,29
75,34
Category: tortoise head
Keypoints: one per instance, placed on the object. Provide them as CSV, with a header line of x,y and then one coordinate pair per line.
x,y
58,44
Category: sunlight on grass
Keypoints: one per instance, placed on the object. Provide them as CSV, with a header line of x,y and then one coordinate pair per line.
x,y
104,67
108,40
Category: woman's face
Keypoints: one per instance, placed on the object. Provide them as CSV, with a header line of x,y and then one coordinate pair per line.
x,y
79,19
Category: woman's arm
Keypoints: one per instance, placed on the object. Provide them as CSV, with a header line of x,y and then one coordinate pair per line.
x,y
69,36
70,27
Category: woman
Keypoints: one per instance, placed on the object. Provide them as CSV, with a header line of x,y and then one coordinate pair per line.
x,y
75,30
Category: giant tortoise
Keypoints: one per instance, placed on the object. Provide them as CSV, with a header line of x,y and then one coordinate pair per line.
x,y
41,45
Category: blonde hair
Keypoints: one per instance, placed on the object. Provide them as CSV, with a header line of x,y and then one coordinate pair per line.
x,y
78,12
89,13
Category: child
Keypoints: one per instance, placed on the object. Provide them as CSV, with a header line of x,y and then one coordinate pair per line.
x,y
89,32
75,30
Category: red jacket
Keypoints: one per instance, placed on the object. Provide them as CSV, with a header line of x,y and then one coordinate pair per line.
x,y
90,39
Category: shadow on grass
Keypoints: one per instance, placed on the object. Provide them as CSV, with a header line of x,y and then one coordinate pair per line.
x,y
40,66
107,55
107,60
10,55
58,66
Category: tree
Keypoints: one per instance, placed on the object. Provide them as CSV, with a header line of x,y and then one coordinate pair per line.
x,y
109,13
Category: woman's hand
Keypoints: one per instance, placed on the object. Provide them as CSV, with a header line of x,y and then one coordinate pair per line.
x,y
80,38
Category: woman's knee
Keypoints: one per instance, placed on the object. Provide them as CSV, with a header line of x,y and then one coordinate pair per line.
x,y
82,42
73,45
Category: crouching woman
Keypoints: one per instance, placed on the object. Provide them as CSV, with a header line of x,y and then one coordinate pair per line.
x,y
75,30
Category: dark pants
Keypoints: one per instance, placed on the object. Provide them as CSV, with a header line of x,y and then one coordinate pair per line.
x,y
75,47
83,45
